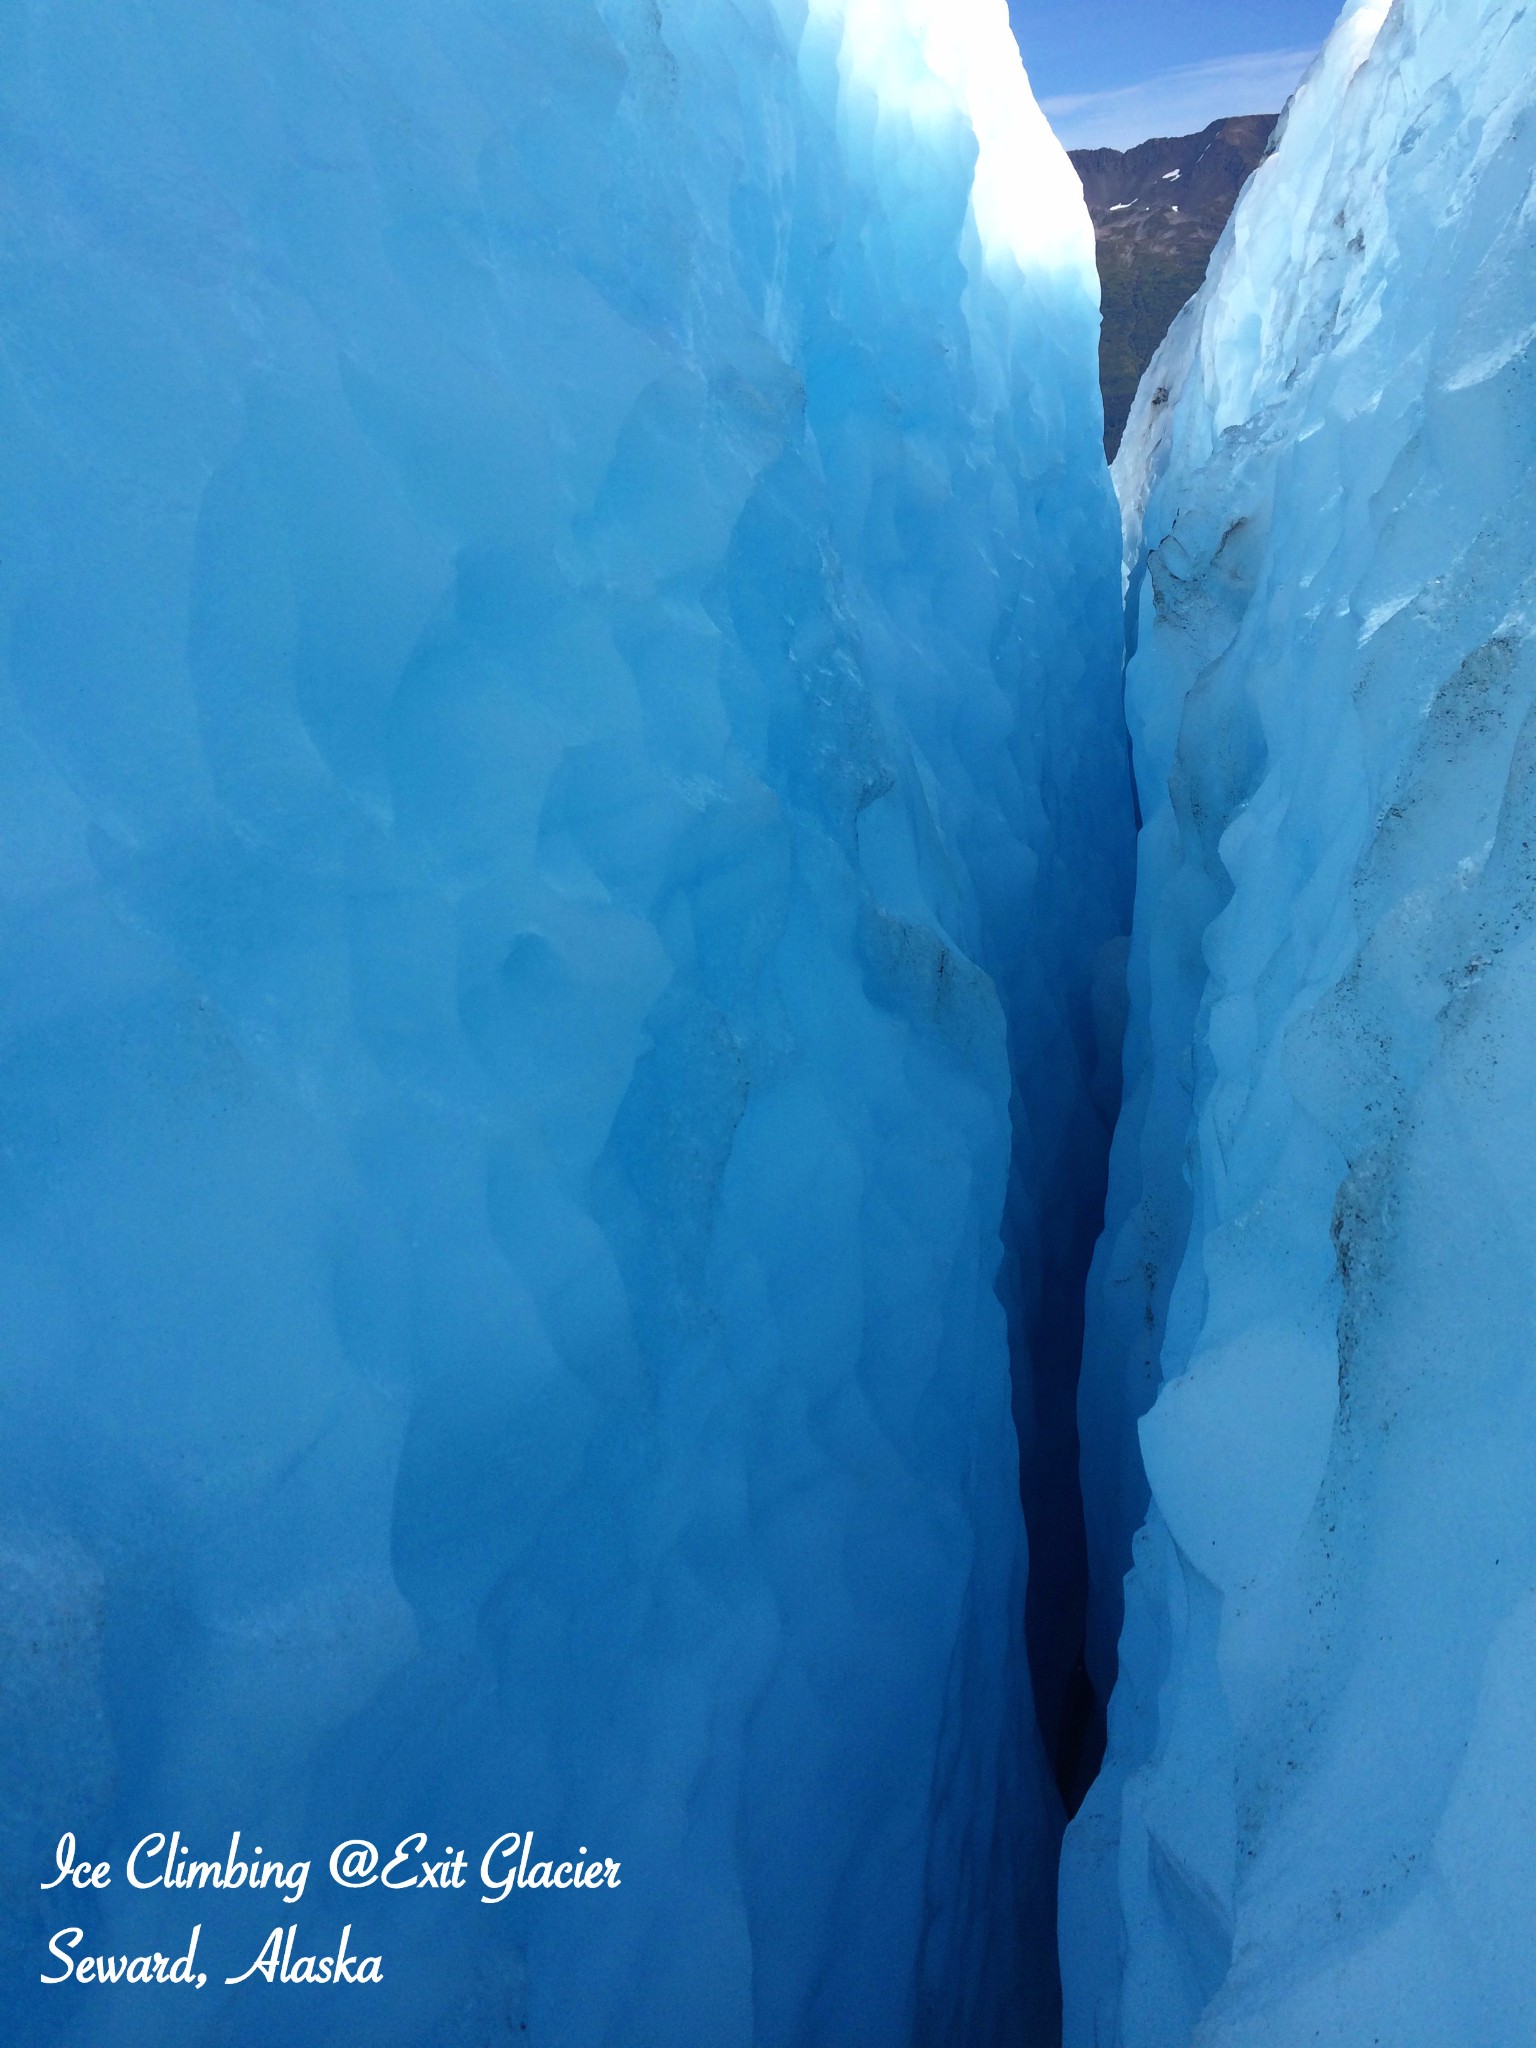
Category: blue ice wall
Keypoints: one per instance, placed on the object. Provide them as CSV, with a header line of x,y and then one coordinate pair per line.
x,y
1311,1323
561,773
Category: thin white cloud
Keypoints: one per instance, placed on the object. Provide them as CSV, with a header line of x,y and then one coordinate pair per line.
x,y
1179,102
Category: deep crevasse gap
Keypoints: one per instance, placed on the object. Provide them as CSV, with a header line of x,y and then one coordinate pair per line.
x,y
1315,1821
561,679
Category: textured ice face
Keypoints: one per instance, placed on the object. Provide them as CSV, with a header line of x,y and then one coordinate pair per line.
x,y
560,721
1313,1293
935,66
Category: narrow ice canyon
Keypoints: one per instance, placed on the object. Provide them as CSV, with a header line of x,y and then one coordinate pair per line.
x,y
584,871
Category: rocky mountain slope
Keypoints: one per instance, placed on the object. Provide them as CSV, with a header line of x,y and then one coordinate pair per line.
x,y
1158,211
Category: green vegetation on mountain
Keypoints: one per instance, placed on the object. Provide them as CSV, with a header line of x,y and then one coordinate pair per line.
x,y
1158,211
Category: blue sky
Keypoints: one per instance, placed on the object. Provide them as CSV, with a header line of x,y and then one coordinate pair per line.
x,y
1116,71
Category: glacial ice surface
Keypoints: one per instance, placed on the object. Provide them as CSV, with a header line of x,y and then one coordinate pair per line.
x,y
561,763
1309,1376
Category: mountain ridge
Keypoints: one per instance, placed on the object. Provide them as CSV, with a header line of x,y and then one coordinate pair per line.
x,y
1158,211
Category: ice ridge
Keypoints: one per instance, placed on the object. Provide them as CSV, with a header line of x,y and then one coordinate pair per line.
x,y
1308,1405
